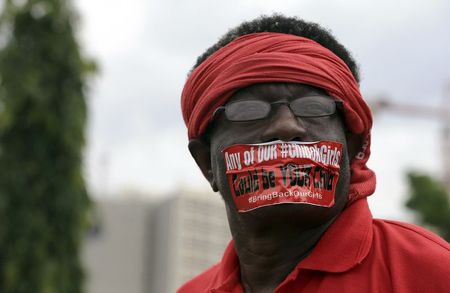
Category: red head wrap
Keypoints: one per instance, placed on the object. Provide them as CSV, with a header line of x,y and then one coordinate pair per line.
x,y
274,57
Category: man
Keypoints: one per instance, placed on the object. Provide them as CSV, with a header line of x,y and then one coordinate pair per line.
x,y
277,124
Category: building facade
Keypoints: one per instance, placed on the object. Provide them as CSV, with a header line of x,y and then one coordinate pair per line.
x,y
142,246
190,234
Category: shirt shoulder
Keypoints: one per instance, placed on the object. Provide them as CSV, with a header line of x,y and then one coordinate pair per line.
x,y
414,257
202,282
410,236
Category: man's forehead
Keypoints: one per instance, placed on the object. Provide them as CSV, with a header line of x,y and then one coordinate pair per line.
x,y
275,91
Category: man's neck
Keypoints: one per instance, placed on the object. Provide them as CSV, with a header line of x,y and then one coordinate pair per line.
x,y
267,258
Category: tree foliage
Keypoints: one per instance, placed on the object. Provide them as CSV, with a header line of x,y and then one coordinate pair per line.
x,y
43,200
430,200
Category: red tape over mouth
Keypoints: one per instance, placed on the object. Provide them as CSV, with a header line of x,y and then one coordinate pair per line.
x,y
283,172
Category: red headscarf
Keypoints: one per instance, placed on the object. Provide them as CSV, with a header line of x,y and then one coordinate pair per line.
x,y
275,57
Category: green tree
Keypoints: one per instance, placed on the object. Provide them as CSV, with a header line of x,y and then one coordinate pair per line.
x,y
43,199
430,200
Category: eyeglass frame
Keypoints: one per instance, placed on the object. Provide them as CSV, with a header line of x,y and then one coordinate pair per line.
x,y
338,108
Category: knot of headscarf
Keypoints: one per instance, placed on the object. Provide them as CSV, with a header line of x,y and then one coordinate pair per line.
x,y
275,57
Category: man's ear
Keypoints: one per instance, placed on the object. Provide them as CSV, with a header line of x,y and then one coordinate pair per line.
x,y
201,153
354,144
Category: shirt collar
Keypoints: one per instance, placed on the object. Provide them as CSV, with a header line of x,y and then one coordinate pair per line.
x,y
344,245
346,242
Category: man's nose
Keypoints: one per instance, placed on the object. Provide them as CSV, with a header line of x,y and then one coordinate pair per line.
x,y
284,125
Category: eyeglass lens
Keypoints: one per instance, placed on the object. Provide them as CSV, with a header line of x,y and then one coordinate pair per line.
x,y
313,106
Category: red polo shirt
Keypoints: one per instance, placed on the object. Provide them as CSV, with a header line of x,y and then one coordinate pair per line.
x,y
356,254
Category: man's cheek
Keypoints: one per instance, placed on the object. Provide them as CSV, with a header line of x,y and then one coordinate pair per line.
x,y
219,171
274,173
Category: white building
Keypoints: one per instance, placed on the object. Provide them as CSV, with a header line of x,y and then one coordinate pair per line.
x,y
190,234
144,246
116,252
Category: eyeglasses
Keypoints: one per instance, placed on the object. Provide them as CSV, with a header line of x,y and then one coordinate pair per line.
x,y
249,110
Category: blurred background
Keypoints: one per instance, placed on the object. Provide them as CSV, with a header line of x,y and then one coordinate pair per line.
x,y
98,191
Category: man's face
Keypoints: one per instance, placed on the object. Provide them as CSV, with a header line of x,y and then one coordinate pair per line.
x,y
281,124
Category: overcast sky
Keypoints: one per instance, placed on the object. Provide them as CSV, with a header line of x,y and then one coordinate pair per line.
x,y
136,136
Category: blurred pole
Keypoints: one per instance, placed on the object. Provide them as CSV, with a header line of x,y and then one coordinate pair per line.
x,y
446,139
442,114
104,174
